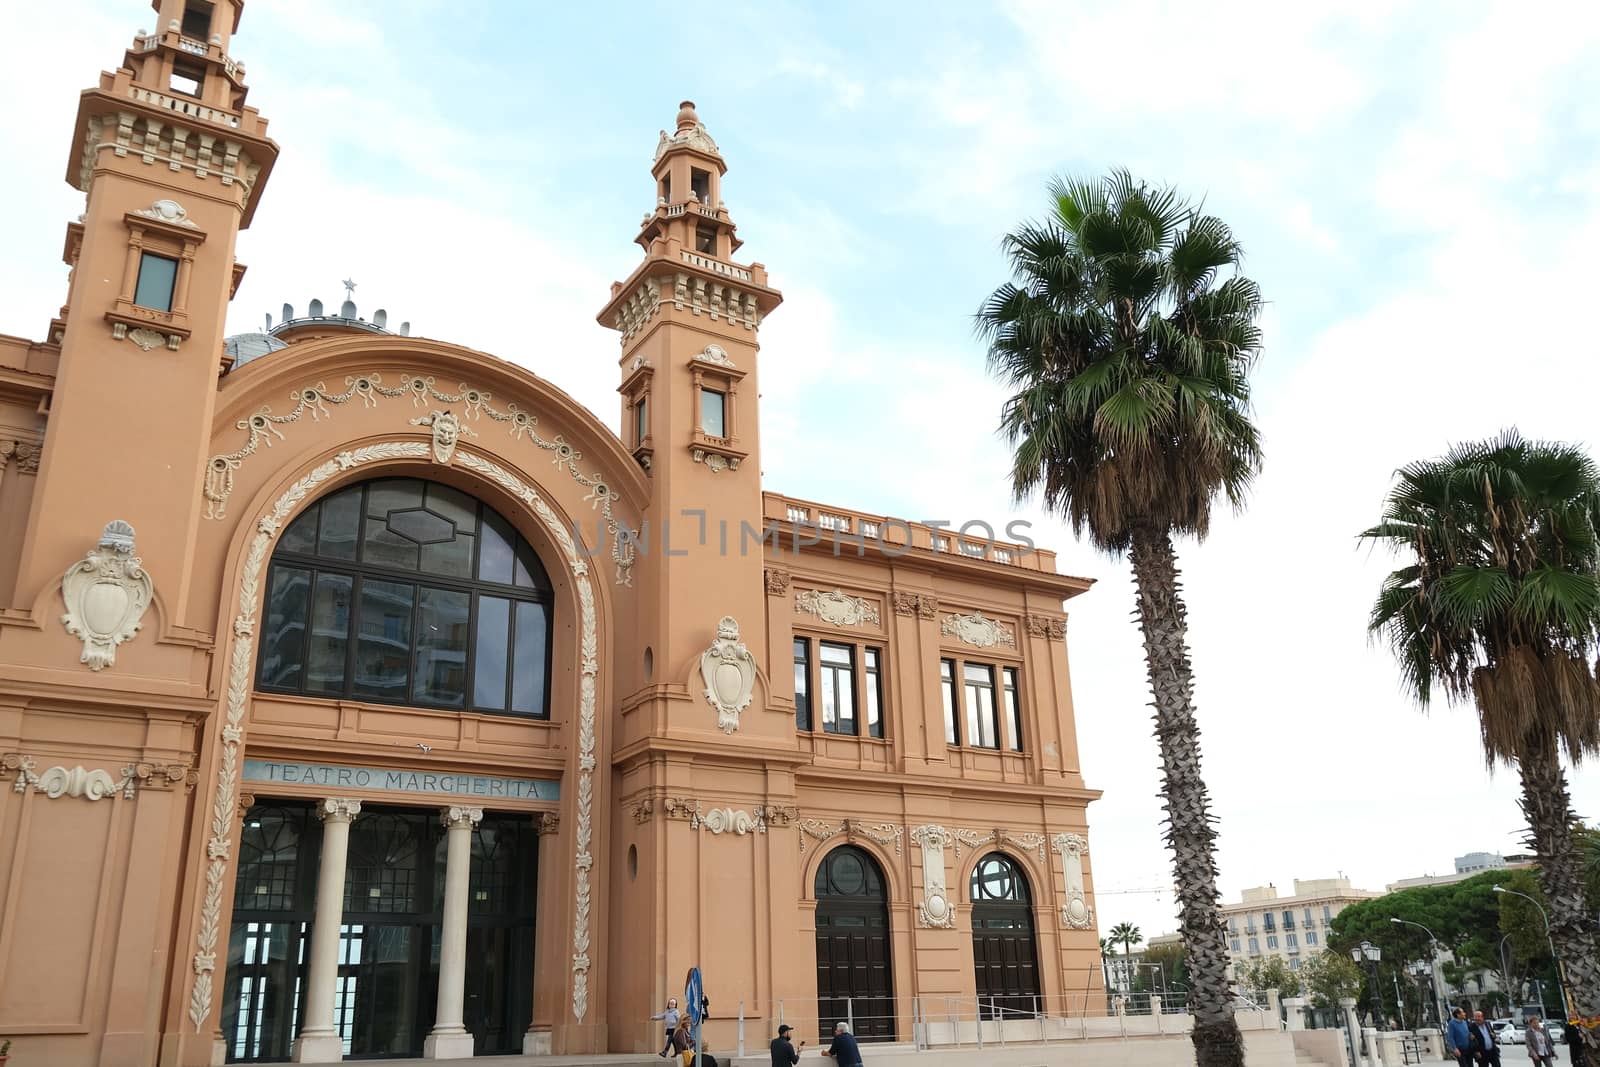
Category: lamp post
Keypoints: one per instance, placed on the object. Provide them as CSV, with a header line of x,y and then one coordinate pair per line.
x,y
1433,966
1370,954
1161,976
1566,1011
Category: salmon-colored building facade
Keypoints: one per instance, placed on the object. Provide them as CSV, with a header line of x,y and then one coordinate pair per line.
x,y
364,695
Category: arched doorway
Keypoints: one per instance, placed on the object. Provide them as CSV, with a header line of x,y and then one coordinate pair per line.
x,y
1004,955
854,975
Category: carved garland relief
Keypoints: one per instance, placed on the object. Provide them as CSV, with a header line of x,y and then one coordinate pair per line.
x,y
106,594
263,427
837,607
1076,913
242,658
978,631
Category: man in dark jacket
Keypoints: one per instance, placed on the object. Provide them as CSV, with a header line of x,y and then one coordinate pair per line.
x,y
846,1053
784,1053
1485,1048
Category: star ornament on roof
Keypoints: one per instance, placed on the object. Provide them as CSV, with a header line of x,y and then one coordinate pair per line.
x,y
349,287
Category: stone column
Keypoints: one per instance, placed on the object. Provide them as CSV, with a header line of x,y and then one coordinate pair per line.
x,y
319,1042
1352,1026
1297,1012
449,1039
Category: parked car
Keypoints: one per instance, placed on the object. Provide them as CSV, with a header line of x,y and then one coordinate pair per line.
x,y
1507,1032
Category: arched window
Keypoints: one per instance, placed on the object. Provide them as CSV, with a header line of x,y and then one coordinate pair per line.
x,y
1003,950
402,591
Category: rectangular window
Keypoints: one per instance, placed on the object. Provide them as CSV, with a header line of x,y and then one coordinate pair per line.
x,y
641,423
1291,941
197,20
330,634
947,684
982,728
838,684
1235,944
1013,709
528,663
1288,920
383,640
1294,964
157,275
494,640
705,240
713,411
441,658
700,184
1272,940
872,680
1307,916
802,684
1327,915
1255,946
1268,922
1311,937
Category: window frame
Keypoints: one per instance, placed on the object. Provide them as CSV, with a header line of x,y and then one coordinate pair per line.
x,y
861,653
1006,682
359,571
171,284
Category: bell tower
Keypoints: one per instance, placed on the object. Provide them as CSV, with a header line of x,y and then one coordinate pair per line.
x,y
172,164
689,316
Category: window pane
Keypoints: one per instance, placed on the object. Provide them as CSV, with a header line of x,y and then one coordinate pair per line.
x,y
802,684
712,404
382,547
947,685
838,688
981,726
1013,710
330,634
301,536
454,505
156,276
383,648
441,674
527,672
874,694
387,494
530,572
489,661
283,639
494,565
340,523
451,559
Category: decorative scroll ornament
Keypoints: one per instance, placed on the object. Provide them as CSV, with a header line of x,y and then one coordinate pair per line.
x,y
818,830
777,581
881,832
170,212
25,453
976,630
146,338
837,607
714,354
447,430
734,821
1076,913
106,593
242,660
729,672
262,428
934,909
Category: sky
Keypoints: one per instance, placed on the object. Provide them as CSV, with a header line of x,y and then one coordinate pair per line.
x,y
1417,188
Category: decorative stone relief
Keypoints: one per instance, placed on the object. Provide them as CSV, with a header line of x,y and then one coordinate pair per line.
x,y
884,833
642,810
694,136
24,453
1049,627
729,672
79,781
976,630
241,661
339,809
818,830
456,815
934,909
145,337
781,814
734,821
715,354
905,604
447,430
170,212
263,426
681,808
1076,913
837,607
154,140
927,606
716,462
777,581
549,824
106,593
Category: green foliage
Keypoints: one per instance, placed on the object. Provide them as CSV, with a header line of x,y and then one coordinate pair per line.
x,y
1498,600
1127,935
1128,334
1329,977
1270,973
1172,960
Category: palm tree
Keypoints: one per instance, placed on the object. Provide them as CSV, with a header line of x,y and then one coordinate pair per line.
x,y
1127,935
1499,603
1127,337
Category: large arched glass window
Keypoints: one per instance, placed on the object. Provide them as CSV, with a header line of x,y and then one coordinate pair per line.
x,y
402,591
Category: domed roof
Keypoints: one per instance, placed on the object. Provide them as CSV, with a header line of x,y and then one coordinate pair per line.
x,y
243,347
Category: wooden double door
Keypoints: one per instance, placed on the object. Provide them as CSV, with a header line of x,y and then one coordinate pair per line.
x,y
855,975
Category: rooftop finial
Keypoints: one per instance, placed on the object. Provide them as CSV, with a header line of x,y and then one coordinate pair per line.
x,y
687,119
349,288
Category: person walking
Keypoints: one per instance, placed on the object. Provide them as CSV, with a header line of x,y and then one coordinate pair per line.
x,y
683,1041
784,1053
1541,1050
1458,1038
669,1017
845,1051
1485,1049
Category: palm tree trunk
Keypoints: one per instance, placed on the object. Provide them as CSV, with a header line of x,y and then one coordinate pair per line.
x,y
1548,807
1190,832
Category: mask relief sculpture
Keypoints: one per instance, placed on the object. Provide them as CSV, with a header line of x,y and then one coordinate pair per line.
x,y
934,909
106,593
729,672
1076,914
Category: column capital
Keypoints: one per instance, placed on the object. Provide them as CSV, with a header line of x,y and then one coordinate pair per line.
x,y
452,817
338,809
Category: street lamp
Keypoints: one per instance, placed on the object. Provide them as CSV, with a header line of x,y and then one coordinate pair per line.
x,y
1161,976
1433,966
1560,989
1371,954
